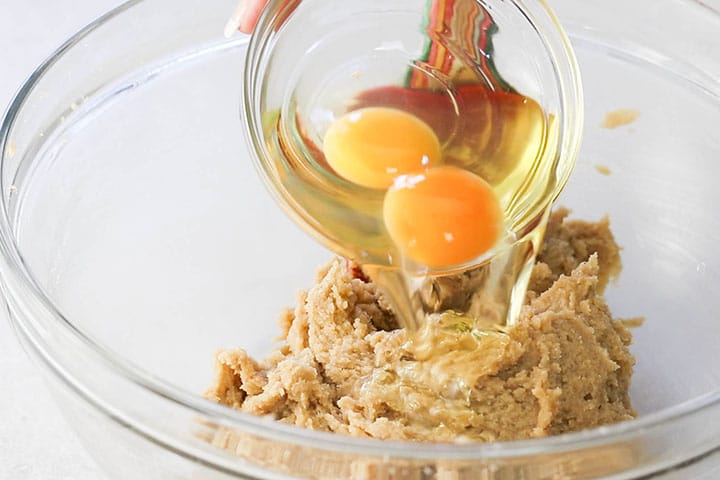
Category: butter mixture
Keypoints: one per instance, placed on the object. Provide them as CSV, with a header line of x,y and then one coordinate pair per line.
x,y
343,365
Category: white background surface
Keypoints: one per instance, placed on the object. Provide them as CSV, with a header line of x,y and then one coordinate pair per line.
x,y
35,442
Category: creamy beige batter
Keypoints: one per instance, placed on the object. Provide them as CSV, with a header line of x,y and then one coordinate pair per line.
x,y
620,118
343,365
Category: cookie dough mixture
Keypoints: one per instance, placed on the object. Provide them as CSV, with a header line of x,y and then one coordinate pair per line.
x,y
344,366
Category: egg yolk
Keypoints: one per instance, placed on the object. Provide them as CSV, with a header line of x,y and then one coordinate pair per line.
x,y
372,146
443,216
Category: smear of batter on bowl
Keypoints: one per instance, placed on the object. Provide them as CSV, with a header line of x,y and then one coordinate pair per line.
x,y
343,365
10,149
603,169
620,117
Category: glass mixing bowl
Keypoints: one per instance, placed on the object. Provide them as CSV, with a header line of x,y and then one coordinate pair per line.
x,y
137,238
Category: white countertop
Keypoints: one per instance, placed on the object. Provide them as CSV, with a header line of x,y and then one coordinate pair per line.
x,y
35,441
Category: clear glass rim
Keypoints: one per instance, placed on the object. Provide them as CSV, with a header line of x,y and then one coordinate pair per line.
x,y
20,278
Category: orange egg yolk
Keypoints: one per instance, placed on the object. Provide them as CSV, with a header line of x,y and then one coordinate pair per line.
x,y
444,216
372,146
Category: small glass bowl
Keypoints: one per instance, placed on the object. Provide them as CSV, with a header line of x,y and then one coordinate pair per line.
x,y
312,61
136,238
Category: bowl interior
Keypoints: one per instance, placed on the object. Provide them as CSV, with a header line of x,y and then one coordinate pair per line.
x,y
138,211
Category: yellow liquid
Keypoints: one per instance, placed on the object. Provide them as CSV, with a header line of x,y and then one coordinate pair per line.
x,y
505,138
